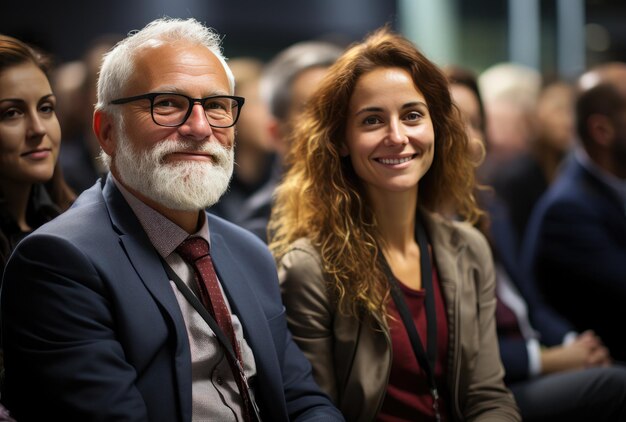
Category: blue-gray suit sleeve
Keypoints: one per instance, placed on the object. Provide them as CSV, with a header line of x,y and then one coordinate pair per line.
x,y
63,361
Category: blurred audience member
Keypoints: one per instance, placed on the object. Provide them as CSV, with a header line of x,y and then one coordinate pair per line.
x,y
254,151
466,95
393,304
287,83
555,373
509,92
548,365
32,189
575,246
290,79
525,178
75,84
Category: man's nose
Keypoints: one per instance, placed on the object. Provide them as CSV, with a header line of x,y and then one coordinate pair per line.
x,y
197,125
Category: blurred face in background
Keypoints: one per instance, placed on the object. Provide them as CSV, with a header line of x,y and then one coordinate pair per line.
x,y
302,88
618,146
555,117
252,124
510,129
30,133
467,102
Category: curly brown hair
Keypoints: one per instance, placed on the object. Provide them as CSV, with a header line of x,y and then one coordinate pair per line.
x,y
322,199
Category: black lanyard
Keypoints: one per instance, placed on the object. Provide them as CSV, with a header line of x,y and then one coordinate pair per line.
x,y
208,318
426,362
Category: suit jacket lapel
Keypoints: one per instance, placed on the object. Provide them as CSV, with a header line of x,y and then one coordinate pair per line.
x,y
245,304
148,267
240,293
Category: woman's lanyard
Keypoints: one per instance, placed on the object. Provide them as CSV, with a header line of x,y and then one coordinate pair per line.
x,y
426,362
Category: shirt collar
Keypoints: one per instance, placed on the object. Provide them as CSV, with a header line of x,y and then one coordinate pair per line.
x,y
164,234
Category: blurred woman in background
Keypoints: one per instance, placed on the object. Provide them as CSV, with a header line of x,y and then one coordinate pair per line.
x,y
32,190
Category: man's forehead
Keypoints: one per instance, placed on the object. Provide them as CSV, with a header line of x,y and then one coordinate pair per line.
x,y
173,64
158,52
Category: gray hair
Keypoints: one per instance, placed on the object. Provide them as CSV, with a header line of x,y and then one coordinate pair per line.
x,y
512,83
281,71
118,64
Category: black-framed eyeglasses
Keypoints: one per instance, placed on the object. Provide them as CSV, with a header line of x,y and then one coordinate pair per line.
x,y
173,110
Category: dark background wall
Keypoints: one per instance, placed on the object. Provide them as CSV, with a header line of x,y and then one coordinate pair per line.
x,y
261,28
258,28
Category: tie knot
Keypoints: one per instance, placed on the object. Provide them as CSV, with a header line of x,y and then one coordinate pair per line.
x,y
193,249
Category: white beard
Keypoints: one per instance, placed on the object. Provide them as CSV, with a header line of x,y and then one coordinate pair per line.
x,y
182,185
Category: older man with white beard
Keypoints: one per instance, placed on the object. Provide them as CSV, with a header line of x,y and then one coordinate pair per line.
x,y
136,305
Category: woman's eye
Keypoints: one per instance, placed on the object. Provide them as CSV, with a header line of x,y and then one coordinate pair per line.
x,y
413,115
46,108
10,113
371,120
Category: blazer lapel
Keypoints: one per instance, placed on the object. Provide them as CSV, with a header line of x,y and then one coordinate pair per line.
x,y
447,247
240,293
245,304
149,269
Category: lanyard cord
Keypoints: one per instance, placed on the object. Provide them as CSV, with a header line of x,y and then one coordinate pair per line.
x,y
426,361
219,333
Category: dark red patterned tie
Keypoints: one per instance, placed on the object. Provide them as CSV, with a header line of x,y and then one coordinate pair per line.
x,y
195,251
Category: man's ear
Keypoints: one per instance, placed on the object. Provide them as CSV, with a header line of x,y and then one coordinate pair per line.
x,y
103,128
601,129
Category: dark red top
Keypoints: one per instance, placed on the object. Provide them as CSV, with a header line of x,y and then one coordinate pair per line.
x,y
408,394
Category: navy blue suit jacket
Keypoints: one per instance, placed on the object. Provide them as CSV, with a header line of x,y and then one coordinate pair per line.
x,y
551,326
575,248
92,329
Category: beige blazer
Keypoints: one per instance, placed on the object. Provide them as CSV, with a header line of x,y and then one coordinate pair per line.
x,y
351,359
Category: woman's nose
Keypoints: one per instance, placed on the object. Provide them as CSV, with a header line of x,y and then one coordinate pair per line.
x,y
396,134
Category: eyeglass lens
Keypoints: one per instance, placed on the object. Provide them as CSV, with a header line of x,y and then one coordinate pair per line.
x,y
172,109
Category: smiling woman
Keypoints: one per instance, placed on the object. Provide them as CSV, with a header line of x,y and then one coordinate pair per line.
x,y
32,190
386,105
392,303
